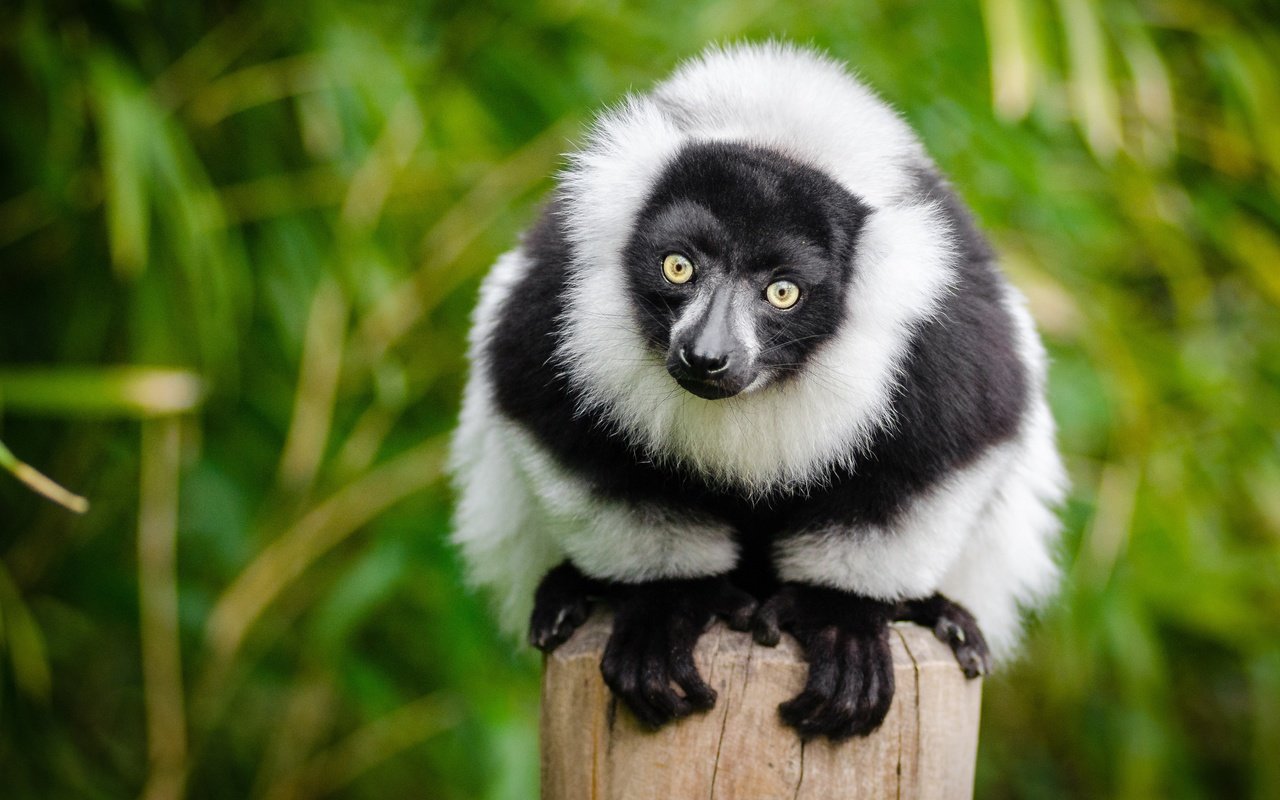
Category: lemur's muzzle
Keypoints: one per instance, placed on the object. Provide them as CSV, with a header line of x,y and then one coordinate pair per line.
x,y
708,356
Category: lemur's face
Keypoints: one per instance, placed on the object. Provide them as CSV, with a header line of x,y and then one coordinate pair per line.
x,y
739,264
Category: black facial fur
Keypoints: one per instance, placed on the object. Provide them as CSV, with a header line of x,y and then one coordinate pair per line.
x,y
745,217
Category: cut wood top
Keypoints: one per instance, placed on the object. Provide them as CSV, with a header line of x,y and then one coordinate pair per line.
x,y
919,647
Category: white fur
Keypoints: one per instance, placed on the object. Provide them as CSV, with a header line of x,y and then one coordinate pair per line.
x,y
782,435
614,541
984,536
908,558
693,312
518,513
1008,563
504,548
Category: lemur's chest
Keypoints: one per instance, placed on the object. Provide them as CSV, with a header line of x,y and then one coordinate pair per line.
x,y
841,495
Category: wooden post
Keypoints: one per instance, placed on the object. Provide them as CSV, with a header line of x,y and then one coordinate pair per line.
x,y
592,748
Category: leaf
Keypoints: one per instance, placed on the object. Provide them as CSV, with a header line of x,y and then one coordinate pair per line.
x,y
41,484
138,392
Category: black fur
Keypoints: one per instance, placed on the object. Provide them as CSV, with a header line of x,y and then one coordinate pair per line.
x,y
955,627
846,642
655,627
561,604
963,389
748,212
845,638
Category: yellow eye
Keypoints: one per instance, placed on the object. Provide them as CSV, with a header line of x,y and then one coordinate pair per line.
x,y
677,269
782,294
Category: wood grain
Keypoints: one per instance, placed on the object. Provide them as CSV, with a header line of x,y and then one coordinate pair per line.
x,y
593,749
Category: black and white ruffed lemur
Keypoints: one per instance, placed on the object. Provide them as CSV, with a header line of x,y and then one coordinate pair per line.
x,y
756,361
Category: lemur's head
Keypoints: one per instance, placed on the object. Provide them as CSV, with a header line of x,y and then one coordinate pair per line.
x,y
780,253
738,265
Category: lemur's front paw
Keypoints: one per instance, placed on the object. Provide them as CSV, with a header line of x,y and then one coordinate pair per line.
x,y
650,651
560,606
955,626
846,641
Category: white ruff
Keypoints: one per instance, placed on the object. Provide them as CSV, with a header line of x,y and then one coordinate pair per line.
x,y
808,108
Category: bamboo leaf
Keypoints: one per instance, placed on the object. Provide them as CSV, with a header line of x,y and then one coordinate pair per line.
x,y
100,392
21,637
1014,68
40,483
123,140
1093,95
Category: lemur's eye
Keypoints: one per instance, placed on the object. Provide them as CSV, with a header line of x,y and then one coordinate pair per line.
x,y
677,269
782,294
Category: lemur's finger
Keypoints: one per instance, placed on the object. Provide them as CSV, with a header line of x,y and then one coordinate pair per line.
x,y
776,613
685,673
821,683
622,674
953,624
837,717
552,626
560,605
876,695
737,607
616,664
655,687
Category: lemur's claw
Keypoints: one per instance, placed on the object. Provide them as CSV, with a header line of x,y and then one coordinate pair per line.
x,y
967,643
552,627
560,606
954,626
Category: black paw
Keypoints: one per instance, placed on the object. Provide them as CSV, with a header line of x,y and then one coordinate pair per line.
x,y
846,642
560,605
648,662
955,626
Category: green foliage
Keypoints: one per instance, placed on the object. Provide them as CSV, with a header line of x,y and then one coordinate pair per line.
x,y
255,233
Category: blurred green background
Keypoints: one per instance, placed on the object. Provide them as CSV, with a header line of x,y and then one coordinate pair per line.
x,y
238,246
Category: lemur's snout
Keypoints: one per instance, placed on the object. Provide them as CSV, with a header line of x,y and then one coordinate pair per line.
x,y
708,356
709,375
709,364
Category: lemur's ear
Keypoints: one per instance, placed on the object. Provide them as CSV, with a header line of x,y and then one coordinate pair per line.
x,y
848,215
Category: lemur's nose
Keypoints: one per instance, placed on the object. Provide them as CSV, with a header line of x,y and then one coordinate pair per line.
x,y
708,364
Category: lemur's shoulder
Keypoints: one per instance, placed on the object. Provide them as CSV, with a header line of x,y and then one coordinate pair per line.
x,y
532,390
962,386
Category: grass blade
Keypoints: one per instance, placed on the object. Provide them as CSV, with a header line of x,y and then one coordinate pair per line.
x,y
40,483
